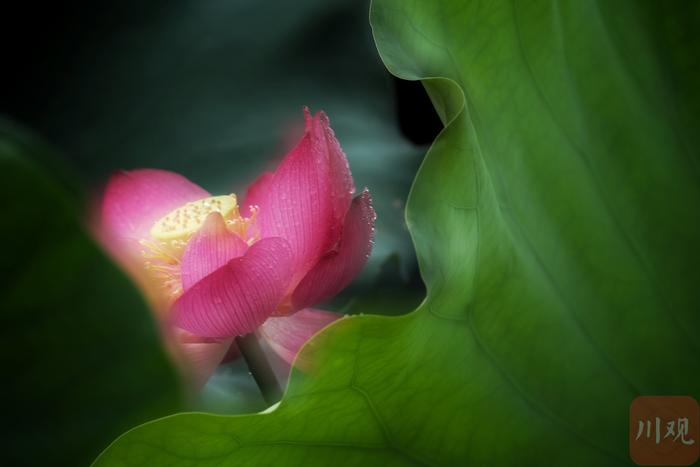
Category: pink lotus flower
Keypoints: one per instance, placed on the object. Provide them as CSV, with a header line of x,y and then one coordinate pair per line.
x,y
214,269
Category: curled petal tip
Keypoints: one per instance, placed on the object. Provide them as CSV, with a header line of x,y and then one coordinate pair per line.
x,y
324,120
308,119
336,269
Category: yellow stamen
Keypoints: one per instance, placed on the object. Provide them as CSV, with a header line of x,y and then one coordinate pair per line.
x,y
245,227
186,220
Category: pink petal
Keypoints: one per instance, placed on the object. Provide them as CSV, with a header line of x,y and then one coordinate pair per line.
x,y
238,297
287,334
308,195
338,267
342,185
134,200
212,247
200,355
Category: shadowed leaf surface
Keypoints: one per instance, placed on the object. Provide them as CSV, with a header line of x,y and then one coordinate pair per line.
x,y
81,355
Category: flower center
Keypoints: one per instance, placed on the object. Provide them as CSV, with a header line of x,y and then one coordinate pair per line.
x,y
186,220
171,233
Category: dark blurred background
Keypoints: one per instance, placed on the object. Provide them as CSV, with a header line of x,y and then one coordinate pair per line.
x,y
214,90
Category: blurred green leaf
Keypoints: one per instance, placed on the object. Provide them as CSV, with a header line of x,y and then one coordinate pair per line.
x,y
81,356
556,225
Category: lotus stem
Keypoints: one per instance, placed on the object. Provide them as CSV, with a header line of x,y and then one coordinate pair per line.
x,y
260,368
